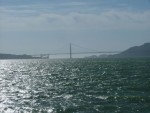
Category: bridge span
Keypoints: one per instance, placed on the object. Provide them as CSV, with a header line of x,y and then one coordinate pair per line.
x,y
70,53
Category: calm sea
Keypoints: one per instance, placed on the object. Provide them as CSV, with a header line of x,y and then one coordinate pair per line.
x,y
75,86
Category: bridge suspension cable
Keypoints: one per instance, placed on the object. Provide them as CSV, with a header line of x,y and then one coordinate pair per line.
x,y
85,48
70,52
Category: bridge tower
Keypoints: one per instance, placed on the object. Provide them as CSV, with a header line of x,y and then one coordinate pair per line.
x,y
70,51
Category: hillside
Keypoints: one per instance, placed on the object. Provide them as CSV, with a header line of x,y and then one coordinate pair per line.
x,y
136,51
11,56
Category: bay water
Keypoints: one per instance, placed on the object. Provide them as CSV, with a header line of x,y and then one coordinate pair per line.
x,y
75,86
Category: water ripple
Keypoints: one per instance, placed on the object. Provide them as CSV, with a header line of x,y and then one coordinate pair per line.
x,y
75,86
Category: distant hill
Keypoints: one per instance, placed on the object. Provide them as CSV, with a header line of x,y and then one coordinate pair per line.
x,y
11,56
136,51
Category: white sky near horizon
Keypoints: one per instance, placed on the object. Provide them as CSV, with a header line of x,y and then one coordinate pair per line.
x,y
46,26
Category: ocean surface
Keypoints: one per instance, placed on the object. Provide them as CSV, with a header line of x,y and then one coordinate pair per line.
x,y
75,86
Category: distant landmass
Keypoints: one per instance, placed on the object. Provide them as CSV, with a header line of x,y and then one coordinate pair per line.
x,y
12,56
136,51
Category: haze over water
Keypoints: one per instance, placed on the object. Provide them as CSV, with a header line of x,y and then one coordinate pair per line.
x,y
75,86
43,26
36,27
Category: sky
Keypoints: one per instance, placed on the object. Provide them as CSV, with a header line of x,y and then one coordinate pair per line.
x,y
48,26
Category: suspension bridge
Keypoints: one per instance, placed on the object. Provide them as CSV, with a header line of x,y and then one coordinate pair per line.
x,y
70,53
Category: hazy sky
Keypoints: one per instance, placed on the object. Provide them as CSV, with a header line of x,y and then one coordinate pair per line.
x,y
46,26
